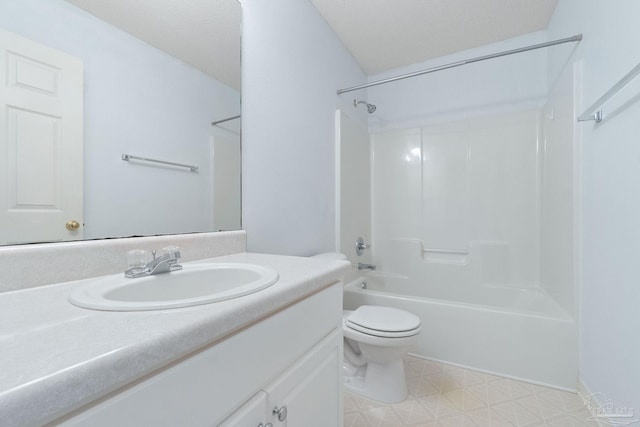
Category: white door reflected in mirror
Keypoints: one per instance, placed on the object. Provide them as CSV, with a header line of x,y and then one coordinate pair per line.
x,y
41,149
155,76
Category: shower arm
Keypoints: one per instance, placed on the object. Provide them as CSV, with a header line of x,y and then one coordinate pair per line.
x,y
371,108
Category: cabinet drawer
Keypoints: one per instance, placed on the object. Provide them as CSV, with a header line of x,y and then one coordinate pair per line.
x,y
203,389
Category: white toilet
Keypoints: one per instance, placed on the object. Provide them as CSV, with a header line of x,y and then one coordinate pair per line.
x,y
376,339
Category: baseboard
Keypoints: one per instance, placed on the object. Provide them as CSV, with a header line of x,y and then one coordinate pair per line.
x,y
583,390
585,394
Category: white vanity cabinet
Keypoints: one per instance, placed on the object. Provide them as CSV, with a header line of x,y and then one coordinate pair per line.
x,y
289,361
254,413
305,395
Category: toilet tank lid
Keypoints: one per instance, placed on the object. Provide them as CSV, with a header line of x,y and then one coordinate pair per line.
x,y
331,255
386,319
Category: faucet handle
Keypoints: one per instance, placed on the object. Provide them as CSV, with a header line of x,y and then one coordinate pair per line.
x,y
361,246
138,258
172,250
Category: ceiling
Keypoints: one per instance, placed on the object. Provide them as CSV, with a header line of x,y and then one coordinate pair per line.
x,y
202,33
380,34
386,34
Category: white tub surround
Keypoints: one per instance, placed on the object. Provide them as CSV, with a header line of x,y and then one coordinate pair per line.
x,y
475,217
57,357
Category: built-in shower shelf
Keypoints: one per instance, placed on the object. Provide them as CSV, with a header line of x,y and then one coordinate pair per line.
x,y
445,256
454,258
446,251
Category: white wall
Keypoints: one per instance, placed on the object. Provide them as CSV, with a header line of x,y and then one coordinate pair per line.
x,y
292,65
141,101
226,162
610,348
355,188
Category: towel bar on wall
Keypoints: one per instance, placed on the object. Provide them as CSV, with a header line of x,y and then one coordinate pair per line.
x,y
446,251
127,157
595,111
217,122
433,250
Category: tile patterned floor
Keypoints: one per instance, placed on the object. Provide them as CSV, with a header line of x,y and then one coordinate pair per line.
x,y
448,396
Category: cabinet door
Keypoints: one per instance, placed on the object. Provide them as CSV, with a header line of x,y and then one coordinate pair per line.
x,y
251,414
310,393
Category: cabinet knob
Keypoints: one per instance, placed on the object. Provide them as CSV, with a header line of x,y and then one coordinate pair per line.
x,y
280,412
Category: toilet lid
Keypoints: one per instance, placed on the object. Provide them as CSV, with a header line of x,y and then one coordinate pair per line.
x,y
383,321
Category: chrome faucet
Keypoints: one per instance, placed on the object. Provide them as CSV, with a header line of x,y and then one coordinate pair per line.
x,y
362,266
361,246
165,263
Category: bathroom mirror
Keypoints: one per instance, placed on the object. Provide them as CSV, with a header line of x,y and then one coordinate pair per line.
x,y
139,84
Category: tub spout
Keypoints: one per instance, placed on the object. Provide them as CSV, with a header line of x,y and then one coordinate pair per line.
x,y
362,266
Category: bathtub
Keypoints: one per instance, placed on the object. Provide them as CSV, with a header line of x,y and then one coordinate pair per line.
x,y
518,333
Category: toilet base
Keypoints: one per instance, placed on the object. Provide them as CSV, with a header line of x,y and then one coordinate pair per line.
x,y
384,383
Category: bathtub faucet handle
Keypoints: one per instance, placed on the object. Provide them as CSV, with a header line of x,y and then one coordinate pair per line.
x,y
361,246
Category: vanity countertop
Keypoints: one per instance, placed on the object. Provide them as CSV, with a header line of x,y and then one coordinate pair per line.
x,y
56,357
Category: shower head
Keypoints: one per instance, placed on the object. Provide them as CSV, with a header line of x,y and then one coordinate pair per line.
x,y
370,107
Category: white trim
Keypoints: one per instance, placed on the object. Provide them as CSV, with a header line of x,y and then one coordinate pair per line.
x,y
577,206
584,392
211,194
337,147
372,214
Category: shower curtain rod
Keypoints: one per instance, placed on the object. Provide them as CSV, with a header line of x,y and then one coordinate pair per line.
x,y
575,38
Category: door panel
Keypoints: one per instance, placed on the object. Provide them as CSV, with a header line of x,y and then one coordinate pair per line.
x,y
41,142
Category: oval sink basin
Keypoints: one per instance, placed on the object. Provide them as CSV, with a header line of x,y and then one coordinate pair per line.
x,y
195,284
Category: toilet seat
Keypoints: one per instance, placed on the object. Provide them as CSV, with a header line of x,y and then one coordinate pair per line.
x,y
384,322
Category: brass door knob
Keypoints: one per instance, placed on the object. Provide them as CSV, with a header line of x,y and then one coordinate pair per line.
x,y
72,225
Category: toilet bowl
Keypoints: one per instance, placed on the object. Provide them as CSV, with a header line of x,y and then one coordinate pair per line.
x,y
375,341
